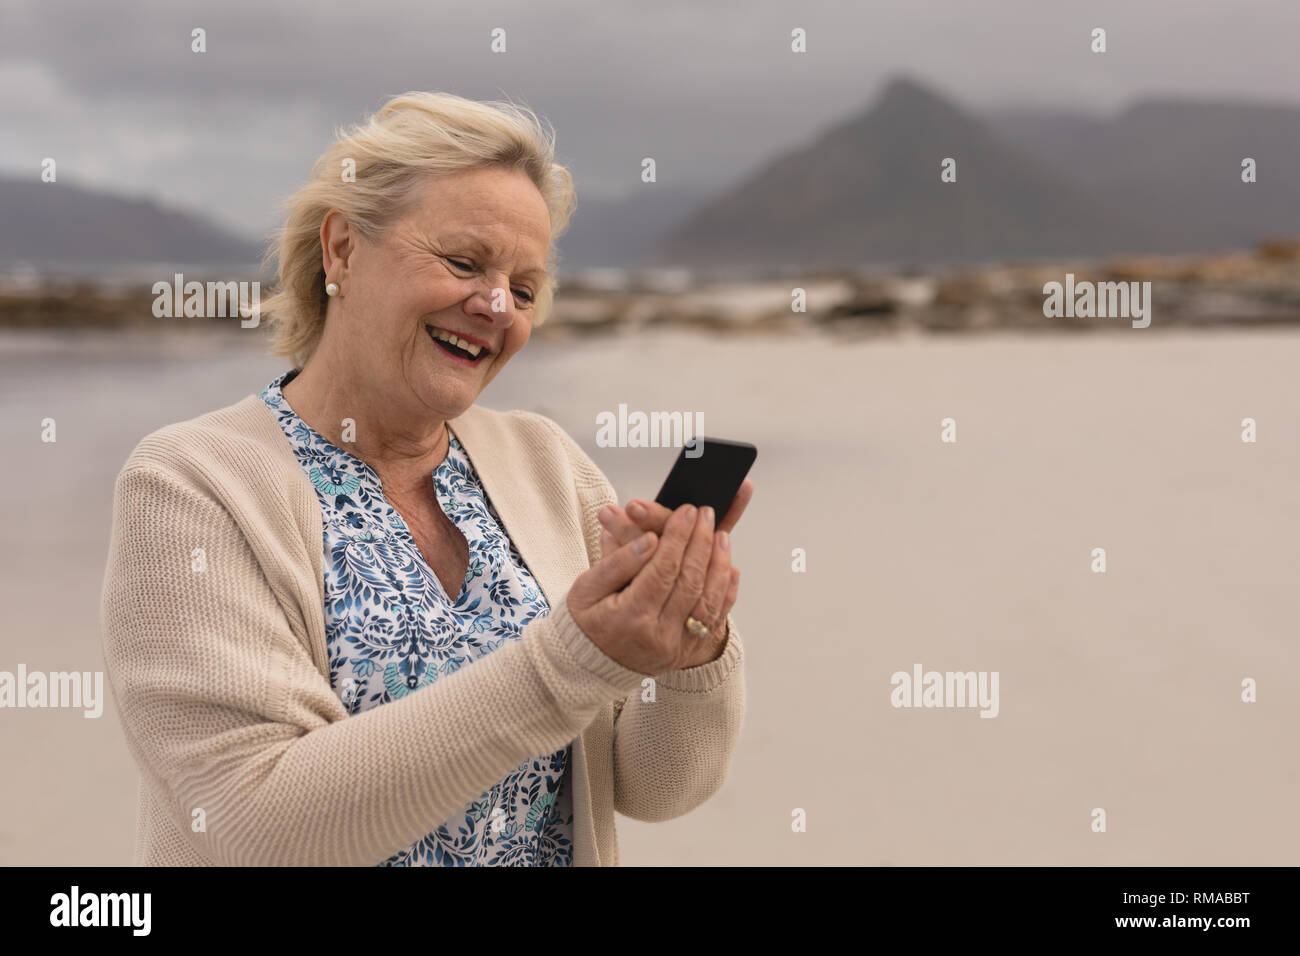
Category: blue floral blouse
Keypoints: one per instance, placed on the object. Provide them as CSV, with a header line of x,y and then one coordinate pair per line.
x,y
391,629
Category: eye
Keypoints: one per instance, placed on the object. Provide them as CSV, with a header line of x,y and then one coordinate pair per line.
x,y
470,267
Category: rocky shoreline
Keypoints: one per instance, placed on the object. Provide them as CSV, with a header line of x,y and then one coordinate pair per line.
x,y
1257,287
1239,288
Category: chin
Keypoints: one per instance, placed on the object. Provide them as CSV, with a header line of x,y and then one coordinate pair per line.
x,y
450,401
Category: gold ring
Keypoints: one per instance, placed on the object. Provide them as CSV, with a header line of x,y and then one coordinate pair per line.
x,y
697,628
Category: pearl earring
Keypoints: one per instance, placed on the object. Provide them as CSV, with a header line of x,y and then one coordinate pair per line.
x,y
332,289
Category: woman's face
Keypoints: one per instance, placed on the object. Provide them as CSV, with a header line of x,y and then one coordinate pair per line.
x,y
470,241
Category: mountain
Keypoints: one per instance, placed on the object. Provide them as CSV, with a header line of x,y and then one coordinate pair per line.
x,y
64,224
1162,176
1178,162
868,191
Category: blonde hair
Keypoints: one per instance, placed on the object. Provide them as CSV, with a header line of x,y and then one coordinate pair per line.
x,y
411,135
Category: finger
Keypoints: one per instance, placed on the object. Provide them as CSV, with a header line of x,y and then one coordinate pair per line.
x,y
738,505
694,568
613,571
733,592
617,524
709,608
648,515
653,585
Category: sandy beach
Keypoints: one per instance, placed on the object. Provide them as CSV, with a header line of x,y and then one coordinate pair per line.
x,y
1119,690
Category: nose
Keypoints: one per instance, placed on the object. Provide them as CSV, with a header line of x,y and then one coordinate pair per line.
x,y
493,301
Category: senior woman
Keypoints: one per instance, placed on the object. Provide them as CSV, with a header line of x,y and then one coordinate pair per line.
x,y
357,619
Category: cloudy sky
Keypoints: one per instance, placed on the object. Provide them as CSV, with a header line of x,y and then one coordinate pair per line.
x,y
111,90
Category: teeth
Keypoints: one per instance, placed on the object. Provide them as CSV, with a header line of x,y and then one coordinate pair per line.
x,y
446,336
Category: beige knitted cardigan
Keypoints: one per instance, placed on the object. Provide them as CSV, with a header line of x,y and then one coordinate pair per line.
x,y
217,663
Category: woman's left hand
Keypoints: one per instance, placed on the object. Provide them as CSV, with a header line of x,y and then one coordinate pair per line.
x,y
722,581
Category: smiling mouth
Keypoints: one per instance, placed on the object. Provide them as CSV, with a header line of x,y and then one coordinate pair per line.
x,y
457,347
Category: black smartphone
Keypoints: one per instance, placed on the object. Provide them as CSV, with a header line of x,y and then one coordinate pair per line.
x,y
709,471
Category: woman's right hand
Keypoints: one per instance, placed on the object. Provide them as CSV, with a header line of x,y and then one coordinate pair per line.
x,y
643,627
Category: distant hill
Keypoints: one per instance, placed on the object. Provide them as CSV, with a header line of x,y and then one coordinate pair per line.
x,y
64,224
1178,162
868,191
1162,176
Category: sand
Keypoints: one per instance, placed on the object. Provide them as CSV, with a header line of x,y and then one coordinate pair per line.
x,y
1118,691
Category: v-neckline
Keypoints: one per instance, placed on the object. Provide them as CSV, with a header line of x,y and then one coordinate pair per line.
x,y
364,467
463,591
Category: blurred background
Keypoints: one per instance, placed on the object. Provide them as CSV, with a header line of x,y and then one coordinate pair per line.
x,y
775,170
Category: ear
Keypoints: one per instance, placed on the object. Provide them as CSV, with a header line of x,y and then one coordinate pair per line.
x,y
337,240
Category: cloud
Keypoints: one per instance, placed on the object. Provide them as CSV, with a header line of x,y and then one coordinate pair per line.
x,y
711,91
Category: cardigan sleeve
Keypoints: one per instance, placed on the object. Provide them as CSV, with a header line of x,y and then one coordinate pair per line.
x,y
673,753
233,725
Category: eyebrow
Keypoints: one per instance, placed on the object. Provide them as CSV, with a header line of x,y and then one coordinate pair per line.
x,y
465,238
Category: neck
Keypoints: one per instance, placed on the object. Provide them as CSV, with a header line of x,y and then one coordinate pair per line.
x,y
401,451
